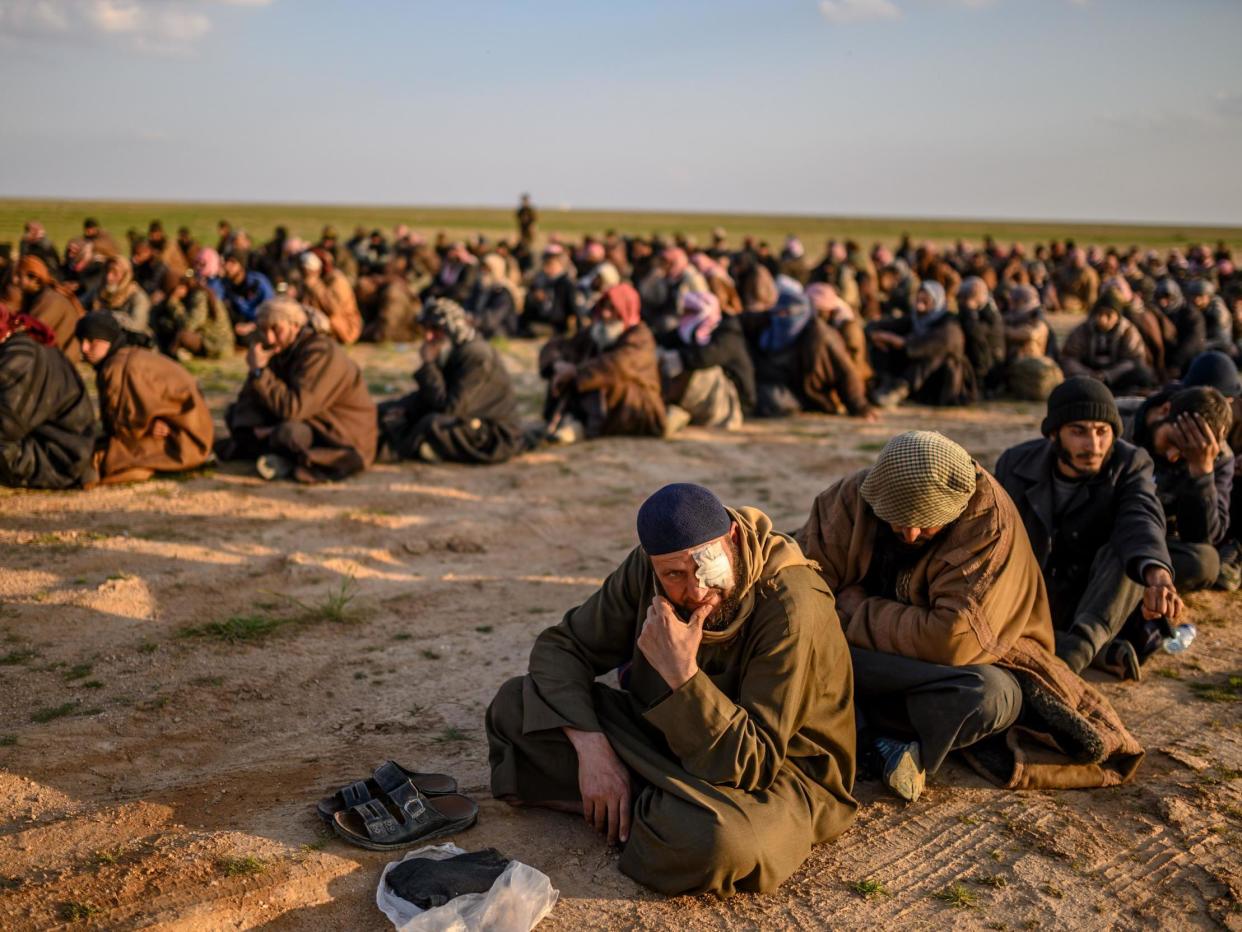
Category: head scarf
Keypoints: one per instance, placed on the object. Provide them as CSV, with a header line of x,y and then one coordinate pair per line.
x,y
922,323
115,296
449,318
700,316
826,302
35,231
13,322
1023,299
625,303
207,263
33,265
922,479
101,325
787,318
497,271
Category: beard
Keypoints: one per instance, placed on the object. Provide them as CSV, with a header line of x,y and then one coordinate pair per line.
x,y
1080,472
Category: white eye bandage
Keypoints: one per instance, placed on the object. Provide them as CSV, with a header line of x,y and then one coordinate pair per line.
x,y
714,570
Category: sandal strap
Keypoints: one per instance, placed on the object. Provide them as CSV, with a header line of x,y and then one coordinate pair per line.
x,y
378,821
389,775
414,804
355,794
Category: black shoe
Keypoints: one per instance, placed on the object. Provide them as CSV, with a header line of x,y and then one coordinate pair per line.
x,y
1120,659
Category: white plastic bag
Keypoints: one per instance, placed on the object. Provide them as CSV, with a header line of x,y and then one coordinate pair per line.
x,y
517,901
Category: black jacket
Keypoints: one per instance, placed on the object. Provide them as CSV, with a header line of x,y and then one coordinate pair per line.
x,y
473,383
47,421
1118,506
1196,508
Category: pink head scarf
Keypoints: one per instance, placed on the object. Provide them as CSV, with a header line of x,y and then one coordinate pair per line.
x,y
700,317
207,263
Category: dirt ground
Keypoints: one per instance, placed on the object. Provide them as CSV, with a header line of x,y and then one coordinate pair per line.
x,y
159,772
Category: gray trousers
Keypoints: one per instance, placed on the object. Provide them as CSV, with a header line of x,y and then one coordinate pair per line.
x,y
1195,566
945,708
1098,613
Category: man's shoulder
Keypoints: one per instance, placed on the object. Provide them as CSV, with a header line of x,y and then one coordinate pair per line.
x,y
797,596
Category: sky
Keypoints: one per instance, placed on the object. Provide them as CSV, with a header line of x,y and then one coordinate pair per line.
x,y
1126,110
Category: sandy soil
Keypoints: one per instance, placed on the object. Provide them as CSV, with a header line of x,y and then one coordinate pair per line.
x,y
140,768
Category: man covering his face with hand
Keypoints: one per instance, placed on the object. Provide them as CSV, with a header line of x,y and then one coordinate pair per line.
x,y
728,750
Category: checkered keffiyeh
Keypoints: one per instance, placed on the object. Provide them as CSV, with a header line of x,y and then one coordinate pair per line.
x,y
922,479
450,318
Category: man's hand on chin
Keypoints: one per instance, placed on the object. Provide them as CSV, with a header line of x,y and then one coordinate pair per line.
x,y
671,645
603,783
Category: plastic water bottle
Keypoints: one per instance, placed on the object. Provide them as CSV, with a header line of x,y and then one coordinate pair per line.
x,y
1181,640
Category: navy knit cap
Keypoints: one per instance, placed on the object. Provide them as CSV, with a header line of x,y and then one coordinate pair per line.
x,y
681,516
1081,398
1214,369
98,325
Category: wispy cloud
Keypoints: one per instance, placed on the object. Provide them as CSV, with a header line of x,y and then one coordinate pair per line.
x,y
858,11
143,25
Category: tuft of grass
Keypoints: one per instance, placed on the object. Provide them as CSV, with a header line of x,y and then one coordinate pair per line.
x,y
75,911
10,883
991,880
8,741
450,735
78,672
1052,890
335,604
1228,691
15,657
869,887
43,716
870,446
236,629
1169,674
148,647
93,684
484,629
429,654
402,636
207,681
246,866
100,858
957,896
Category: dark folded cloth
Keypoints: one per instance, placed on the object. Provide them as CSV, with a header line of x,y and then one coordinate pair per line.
x,y
427,883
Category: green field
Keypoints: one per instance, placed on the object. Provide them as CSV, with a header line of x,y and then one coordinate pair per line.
x,y
63,220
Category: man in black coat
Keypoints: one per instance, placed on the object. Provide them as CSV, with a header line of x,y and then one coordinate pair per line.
x,y
1184,430
1088,501
47,421
464,409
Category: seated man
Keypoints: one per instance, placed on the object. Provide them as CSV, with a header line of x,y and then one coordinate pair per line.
x,y
155,418
304,410
194,321
551,301
922,356
1029,370
706,369
801,361
47,423
243,293
947,618
122,297
328,290
605,380
1089,504
51,303
464,409
728,751
985,332
1108,347
1183,429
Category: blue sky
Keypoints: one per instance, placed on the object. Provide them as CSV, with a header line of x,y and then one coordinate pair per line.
x,y
1058,109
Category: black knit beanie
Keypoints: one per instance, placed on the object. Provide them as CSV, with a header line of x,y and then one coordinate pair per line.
x,y
681,516
1081,399
98,325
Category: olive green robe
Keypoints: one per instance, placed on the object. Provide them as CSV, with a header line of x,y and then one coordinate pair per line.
x,y
740,770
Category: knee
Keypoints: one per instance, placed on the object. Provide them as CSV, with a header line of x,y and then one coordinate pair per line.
x,y
700,852
1196,566
504,715
289,434
1000,698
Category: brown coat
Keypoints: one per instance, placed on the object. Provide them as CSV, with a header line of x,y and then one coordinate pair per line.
x,y
830,383
977,596
61,314
137,387
314,382
855,337
627,376
335,297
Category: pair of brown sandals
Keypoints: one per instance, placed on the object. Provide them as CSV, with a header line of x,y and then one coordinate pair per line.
x,y
395,808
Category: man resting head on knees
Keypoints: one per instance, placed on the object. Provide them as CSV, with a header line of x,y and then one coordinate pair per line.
x,y
943,603
304,410
155,419
1089,505
728,750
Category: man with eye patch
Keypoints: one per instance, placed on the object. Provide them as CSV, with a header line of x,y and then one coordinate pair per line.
x,y
728,751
